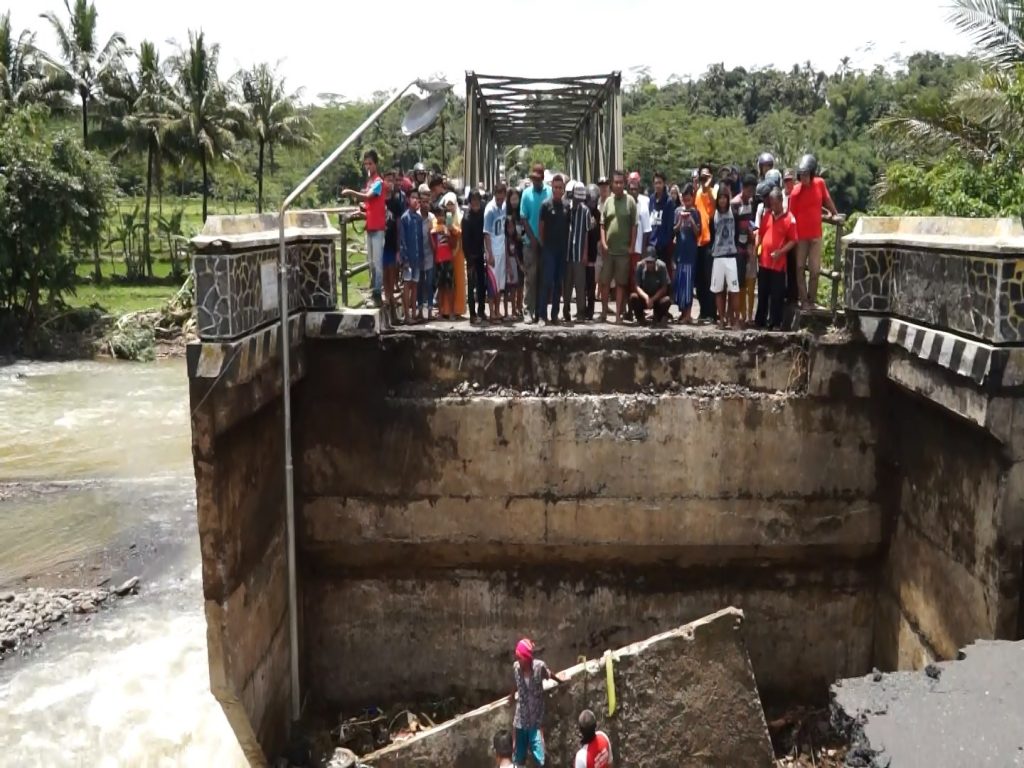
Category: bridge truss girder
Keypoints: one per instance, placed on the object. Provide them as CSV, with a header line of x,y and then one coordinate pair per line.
x,y
583,115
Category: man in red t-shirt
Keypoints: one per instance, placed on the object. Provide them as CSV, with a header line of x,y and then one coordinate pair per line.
x,y
776,237
596,751
374,198
805,203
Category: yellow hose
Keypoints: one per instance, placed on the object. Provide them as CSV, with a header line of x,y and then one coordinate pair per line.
x,y
609,668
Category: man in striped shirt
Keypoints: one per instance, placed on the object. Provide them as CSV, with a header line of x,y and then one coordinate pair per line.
x,y
581,222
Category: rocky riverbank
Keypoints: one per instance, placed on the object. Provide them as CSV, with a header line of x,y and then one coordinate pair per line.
x,y
26,616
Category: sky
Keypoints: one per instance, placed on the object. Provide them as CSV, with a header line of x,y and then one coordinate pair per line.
x,y
337,47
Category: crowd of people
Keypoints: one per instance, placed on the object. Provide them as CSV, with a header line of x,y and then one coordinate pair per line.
x,y
525,740
742,247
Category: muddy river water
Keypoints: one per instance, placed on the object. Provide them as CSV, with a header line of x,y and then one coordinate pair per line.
x,y
96,479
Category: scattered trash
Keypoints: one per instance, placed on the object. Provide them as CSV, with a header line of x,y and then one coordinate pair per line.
x,y
375,728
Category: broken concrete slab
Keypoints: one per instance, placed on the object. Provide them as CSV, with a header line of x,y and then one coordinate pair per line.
x,y
968,712
686,697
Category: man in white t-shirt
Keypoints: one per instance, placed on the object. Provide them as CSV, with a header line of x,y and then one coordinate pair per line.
x,y
643,228
596,751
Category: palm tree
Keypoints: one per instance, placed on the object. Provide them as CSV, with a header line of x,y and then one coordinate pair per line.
x,y
204,123
136,117
986,114
21,77
83,63
996,27
272,118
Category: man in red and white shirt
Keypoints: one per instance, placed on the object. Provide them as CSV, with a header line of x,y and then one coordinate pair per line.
x,y
596,751
374,197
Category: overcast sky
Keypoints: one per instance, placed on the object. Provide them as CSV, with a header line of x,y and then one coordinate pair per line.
x,y
337,47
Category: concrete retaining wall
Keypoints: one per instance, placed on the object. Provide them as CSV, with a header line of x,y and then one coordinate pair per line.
x,y
430,522
238,454
954,567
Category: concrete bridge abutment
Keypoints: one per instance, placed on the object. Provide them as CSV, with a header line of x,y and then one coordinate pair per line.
x,y
857,494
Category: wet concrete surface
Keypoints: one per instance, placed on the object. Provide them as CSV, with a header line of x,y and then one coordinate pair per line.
x,y
953,714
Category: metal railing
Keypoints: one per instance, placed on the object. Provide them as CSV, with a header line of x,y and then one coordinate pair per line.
x,y
347,215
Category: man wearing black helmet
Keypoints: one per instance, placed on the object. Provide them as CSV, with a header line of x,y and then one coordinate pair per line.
x,y
809,196
765,162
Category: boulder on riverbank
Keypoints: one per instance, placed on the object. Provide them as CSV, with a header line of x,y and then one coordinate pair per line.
x,y
25,616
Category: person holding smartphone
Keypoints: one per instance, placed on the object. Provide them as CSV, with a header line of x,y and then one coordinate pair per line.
x,y
688,231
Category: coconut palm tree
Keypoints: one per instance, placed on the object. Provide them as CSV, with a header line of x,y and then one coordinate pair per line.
x,y
136,114
996,27
204,123
83,64
272,118
21,76
986,114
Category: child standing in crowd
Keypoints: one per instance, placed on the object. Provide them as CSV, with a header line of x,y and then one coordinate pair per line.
x,y
514,230
529,675
394,210
724,275
410,254
444,237
688,231
494,241
473,246
426,286
743,209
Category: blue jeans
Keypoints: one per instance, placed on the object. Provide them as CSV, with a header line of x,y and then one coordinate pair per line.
x,y
425,292
529,740
375,257
553,267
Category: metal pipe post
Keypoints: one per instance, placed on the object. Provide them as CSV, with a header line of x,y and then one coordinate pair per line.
x,y
343,227
286,378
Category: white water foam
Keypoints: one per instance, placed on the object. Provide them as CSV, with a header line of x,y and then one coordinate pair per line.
x,y
129,689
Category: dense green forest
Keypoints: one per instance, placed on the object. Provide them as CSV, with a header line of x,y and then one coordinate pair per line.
x,y
133,150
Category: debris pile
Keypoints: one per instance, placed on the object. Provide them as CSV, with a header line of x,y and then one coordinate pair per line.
x,y
375,728
467,389
803,737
